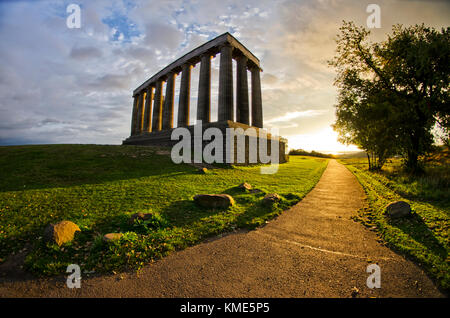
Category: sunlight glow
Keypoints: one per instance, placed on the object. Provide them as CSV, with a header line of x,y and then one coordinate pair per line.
x,y
324,141
292,115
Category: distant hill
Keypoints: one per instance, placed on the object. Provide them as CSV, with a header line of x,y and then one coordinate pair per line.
x,y
352,155
440,155
301,152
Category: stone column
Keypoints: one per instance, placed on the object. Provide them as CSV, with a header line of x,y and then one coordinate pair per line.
x,y
226,83
257,112
242,109
134,115
204,90
140,115
167,121
183,104
157,107
148,109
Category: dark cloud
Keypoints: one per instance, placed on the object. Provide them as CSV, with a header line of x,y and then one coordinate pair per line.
x,y
83,53
111,82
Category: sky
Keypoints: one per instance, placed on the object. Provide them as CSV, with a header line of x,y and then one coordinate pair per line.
x,y
74,85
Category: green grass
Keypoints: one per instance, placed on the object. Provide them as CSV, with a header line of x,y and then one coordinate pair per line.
x,y
99,187
423,237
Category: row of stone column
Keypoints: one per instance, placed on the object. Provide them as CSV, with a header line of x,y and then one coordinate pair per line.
x,y
161,118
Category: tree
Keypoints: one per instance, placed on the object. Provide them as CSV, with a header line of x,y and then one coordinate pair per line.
x,y
366,123
392,93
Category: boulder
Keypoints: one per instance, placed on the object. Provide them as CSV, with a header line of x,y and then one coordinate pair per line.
x,y
112,237
270,199
202,170
139,216
245,186
61,232
214,200
398,209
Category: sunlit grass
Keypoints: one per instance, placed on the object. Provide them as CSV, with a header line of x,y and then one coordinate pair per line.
x,y
424,236
100,187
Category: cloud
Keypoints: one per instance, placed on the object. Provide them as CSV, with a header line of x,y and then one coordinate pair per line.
x,y
60,85
162,36
83,53
111,82
269,79
292,115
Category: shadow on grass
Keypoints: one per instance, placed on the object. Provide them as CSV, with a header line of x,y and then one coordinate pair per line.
x,y
181,213
415,227
248,212
44,167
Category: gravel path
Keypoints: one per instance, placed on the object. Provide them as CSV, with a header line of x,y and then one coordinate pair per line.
x,y
312,250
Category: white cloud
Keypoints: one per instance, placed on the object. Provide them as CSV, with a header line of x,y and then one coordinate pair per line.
x,y
74,85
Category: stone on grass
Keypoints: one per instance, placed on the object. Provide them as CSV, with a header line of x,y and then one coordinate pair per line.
x,y
202,170
214,200
163,152
61,232
140,216
354,292
112,237
245,186
398,209
271,198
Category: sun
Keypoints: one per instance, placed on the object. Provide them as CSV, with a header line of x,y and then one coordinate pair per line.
x,y
325,140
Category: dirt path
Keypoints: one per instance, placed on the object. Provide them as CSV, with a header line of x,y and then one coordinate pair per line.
x,y
312,250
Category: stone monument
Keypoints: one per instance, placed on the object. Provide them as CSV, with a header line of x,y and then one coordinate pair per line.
x,y
152,120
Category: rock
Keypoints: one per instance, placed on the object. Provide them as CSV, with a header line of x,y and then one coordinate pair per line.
x,y
398,209
271,198
61,232
139,216
202,170
214,200
245,186
112,237
256,191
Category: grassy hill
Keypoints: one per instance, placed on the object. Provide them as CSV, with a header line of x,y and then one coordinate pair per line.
x,y
100,187
423,237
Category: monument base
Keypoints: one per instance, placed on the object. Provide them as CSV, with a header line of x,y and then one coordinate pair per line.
x,y
243,154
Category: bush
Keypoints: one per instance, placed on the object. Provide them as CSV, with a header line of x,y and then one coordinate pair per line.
x,y
155,222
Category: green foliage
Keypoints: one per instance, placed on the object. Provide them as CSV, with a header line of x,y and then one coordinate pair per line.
x,y
392,93
301,152
155,222
100,187
424,236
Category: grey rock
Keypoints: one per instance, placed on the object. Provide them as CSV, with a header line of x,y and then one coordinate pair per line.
x,y
202,170
214,200
270,199
139,216
398,209
112,237
61,232
245,186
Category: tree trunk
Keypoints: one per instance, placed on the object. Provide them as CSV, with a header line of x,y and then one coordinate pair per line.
x,y
412,161
381,159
